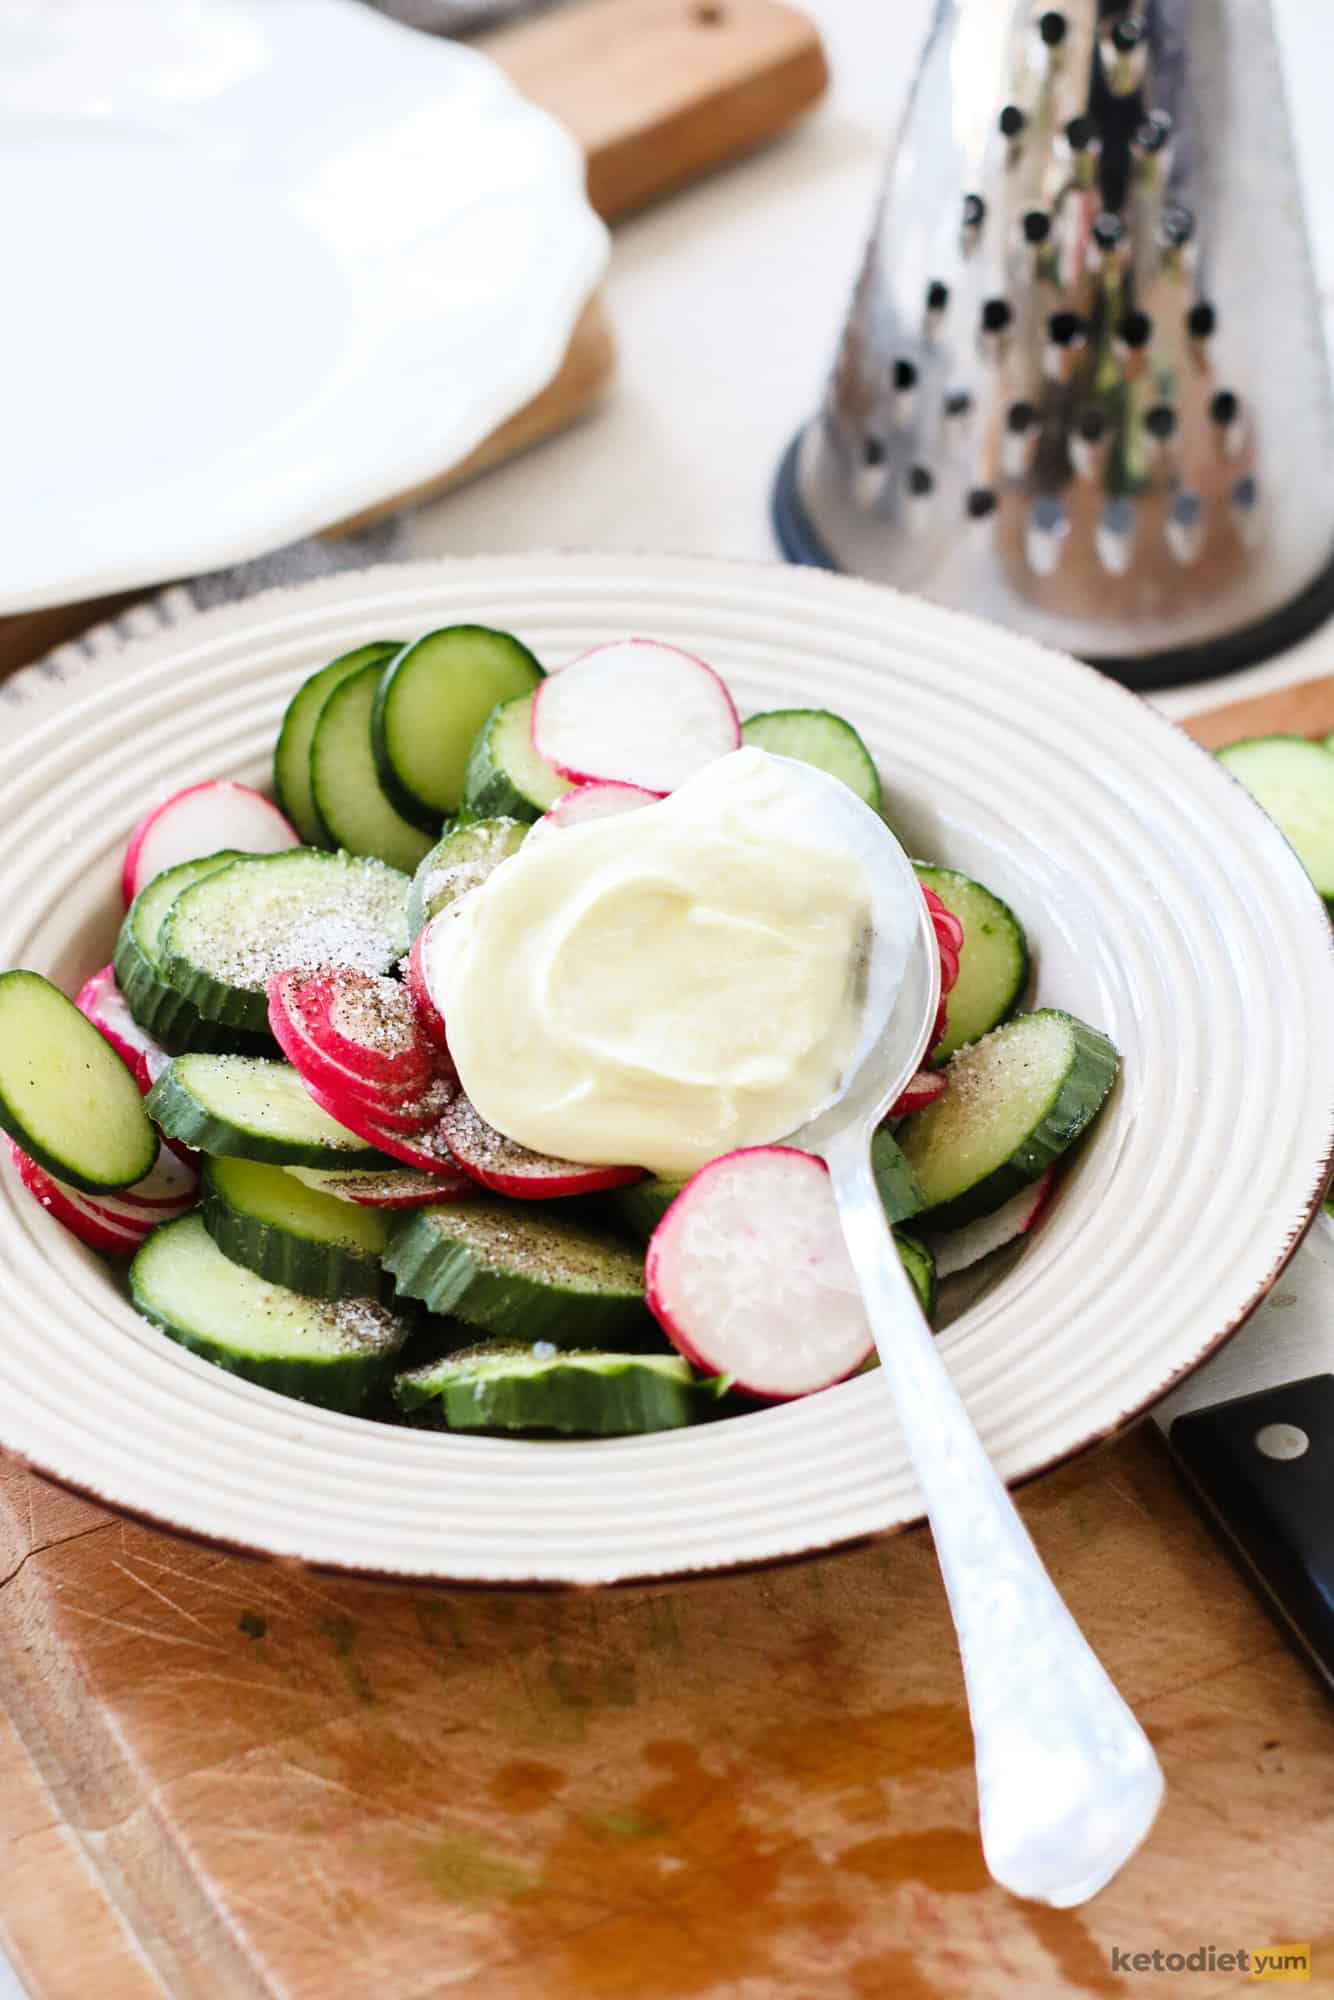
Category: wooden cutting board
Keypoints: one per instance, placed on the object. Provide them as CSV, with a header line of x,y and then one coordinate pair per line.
x,y
657,92
228,1781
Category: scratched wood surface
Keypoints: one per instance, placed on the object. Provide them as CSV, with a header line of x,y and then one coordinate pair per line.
x,y
227,1781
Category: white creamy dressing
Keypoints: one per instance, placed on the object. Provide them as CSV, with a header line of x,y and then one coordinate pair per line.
x,y
664,986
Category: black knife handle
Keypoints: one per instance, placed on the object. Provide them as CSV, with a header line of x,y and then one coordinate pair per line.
x,y
1277,1511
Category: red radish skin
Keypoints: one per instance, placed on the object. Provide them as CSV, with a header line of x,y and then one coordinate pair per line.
x,y
414,978
748,1275
606,799
426,1151
370,1026
961,1248
398,1110
203,819
949,943
948,927
102,1002
498,1163
171,1187
394,1187
635,712
924,1089
76,1212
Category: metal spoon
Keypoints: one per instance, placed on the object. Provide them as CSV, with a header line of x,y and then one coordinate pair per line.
x,y
1068,1785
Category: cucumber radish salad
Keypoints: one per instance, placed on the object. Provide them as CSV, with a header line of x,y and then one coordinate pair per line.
x,y
451,1089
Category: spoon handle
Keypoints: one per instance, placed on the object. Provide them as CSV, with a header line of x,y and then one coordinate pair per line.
x,y
1068,1784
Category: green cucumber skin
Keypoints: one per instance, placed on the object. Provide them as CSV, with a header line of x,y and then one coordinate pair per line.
x,y
421,812
166,1014
172,1019
896,1183
577,1401
505,835
344,1382
121,1098
317,1270
245,1008
920,1265
180,1115
780,730
1077,1103
954,889
488,790
640,1207
393,838
450,1279
292,750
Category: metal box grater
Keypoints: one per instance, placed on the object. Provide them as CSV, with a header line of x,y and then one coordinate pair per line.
x,y
1082,386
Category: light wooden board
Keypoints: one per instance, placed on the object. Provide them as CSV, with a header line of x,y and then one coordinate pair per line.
x,y
263,1784
657,92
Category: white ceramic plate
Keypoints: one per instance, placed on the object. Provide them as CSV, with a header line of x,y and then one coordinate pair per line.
x,y
1163,906
267,263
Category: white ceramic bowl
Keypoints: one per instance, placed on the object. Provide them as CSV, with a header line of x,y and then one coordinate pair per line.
x,y
278,261
1163,905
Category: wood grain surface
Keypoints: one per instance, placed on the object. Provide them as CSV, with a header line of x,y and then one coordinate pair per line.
x,y
230,1781
657,92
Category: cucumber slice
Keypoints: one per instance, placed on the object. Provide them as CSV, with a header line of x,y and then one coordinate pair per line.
x,y
167,1015
896,1183
224,939
291,753
312,1243
463,859
920,1265
640,1207
495,1387
814,736
66,1098
1294,781
352,804
505,777
1014,1102
249,1108
429,706
524,1275
993,964
322,1351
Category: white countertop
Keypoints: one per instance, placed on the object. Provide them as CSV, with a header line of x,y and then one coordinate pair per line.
x,y
727,301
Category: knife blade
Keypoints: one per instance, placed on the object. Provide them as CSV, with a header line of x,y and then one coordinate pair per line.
x,y
1252,1434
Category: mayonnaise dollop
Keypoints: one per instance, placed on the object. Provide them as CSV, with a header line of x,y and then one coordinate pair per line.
x,y
661,987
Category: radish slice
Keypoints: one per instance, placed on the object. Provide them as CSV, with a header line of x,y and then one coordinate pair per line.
x,y
635,713
395,1187
414,978
949,930
923,1089
604,800
203,819
369,1025
102,1002
173,1185
748,1275
508,1168
425,1150
76,1211
976,1240
396,1109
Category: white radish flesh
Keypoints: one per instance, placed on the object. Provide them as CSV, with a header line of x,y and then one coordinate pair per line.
x,y
605,800
101,1001
960,1248
636,713
203,819
748,1275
